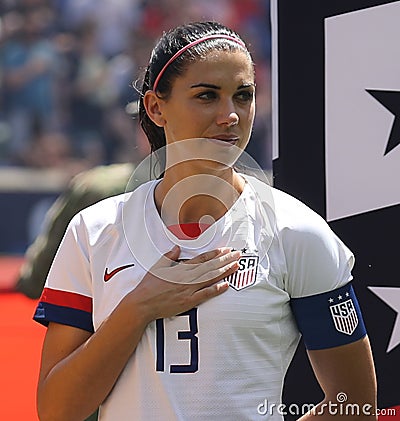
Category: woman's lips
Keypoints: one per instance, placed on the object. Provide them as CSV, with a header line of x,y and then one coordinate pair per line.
x,y
225,140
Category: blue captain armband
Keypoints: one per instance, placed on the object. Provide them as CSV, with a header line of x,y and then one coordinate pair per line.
x,y
329,319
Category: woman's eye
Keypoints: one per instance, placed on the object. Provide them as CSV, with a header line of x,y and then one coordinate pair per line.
x,y
245,96
207,95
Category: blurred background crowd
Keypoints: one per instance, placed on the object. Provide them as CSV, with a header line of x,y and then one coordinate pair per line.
x,y
69,69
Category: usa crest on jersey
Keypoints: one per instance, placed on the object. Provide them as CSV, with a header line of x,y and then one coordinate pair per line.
x,y
246,275
344,316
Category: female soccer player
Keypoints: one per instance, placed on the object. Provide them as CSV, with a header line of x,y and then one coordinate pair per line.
x,y
186,299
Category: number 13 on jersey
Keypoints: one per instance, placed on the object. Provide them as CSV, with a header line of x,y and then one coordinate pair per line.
x,y
189,335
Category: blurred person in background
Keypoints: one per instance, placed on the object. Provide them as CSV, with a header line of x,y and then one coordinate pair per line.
x,y
90,93
118,123
53,150
28,60
116,18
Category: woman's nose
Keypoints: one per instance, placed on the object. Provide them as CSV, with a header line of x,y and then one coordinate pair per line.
x,y
227,115
232,119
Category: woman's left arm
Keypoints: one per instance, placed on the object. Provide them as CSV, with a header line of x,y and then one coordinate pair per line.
x,y
346,375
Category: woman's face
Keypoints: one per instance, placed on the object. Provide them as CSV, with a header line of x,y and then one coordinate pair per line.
x,y
214,98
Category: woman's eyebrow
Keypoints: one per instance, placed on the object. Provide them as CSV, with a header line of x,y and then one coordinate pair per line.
x,y
209,85
205,85
247,85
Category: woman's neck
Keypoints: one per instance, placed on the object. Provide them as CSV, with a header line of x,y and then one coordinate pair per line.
x,y
188,196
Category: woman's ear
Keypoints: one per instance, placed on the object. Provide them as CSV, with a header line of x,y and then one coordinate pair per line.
x,y
152,105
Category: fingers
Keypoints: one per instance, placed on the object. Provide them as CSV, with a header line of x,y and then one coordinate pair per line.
x,y
205,269
210,292
165,259
215,269
173,255
216,288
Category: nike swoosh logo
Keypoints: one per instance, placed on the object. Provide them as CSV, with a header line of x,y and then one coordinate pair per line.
x,y
109,275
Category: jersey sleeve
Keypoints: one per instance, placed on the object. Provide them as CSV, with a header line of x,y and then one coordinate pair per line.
x,y
67,295
316,259
318,279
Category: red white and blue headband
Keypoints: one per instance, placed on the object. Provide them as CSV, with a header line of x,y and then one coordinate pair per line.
x,y
190,45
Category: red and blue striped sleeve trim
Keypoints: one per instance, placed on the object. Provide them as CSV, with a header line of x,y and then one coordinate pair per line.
x,y
65,307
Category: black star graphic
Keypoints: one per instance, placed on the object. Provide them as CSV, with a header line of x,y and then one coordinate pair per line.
x,y
244,250
391,101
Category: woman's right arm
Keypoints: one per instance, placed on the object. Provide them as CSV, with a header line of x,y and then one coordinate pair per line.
x,y
79,369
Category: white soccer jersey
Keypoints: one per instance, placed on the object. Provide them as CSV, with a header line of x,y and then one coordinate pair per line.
x,y
223,359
